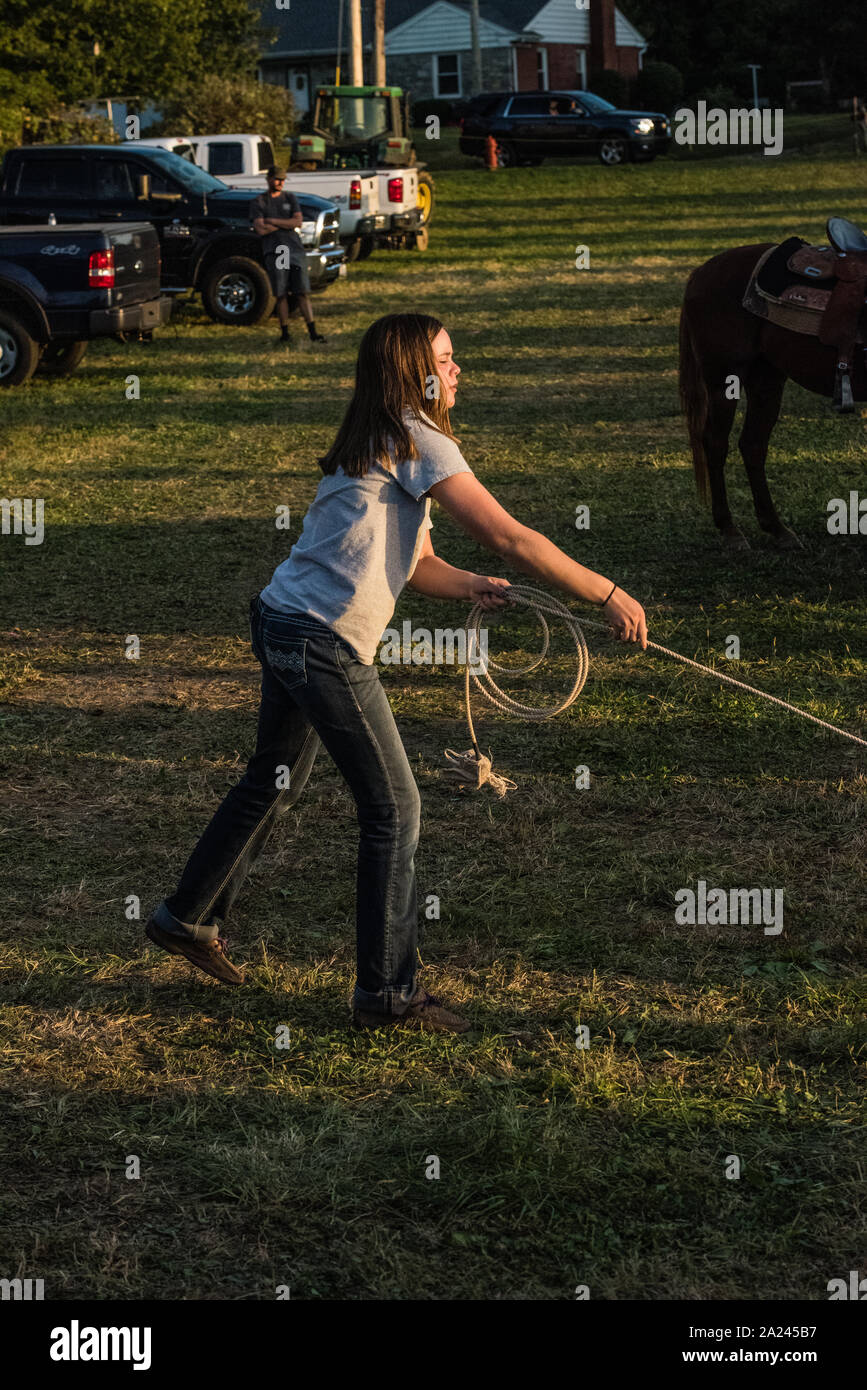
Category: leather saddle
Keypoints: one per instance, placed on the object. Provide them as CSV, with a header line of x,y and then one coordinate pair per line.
x,y
820,290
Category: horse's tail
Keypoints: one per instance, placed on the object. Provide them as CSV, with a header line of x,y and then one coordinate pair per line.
x,y
694,403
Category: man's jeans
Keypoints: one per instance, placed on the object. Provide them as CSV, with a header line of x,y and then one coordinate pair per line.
x,y
315,691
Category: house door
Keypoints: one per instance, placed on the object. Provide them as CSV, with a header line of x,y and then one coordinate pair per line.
x,y
299,86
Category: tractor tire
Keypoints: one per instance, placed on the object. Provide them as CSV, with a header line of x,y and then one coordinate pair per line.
x,y
19,353
62,357
426,197
237,291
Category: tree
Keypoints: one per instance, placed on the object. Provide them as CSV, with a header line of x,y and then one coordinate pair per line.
x,y
221,105
149,49
658,87
711,43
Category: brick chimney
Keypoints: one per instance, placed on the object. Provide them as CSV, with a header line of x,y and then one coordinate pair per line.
x,y
603,49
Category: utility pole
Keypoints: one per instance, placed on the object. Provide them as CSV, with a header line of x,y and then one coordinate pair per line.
x,y
379,43
755,68
339,43
356,62
476,85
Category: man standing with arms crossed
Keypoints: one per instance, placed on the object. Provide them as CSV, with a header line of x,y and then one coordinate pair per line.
x,y
276,216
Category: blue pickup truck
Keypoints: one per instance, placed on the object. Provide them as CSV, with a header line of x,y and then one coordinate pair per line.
x,y
61,286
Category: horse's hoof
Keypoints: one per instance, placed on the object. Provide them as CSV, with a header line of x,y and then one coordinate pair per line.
x,y
788,540
734,539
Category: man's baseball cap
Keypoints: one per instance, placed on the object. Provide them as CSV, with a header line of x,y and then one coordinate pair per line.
x,y
276,171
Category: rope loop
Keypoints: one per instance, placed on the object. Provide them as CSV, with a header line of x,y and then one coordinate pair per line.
x,y
472,770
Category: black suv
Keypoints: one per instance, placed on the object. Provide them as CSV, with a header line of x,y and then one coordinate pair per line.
x,y
531,126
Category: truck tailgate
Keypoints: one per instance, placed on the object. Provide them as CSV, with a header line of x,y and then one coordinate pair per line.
x,y
60,259
136,262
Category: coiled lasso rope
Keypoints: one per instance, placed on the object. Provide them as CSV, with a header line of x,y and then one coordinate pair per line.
x,y
472,770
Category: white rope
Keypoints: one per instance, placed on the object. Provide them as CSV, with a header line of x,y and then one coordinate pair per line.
x,y
472,770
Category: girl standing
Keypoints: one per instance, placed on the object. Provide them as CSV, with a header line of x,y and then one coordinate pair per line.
x,y
315,630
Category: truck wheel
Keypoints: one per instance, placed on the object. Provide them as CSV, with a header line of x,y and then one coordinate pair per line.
x,y
365,247
61,358
613,150
507,155
237,290
420,240
352,249
425,199
19,353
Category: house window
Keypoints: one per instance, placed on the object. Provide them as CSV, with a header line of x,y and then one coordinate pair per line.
x,y
542,69
447,75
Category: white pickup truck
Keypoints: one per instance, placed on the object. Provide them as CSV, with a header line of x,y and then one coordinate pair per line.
x,y
390,219
240,161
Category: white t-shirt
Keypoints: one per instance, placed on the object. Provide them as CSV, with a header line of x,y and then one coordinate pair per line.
x,y
361,540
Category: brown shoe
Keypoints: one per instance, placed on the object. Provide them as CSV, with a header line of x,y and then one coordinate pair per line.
x,y
424,1012
209,956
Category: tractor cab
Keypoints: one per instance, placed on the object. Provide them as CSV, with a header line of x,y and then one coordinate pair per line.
x,y
356,128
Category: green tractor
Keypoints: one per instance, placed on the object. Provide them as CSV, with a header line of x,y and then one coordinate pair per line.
x,y
364,128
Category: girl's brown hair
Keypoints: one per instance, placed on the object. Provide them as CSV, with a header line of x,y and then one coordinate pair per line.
x,y
396,371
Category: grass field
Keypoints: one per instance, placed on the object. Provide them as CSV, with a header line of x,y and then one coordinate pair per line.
x,y
306,1166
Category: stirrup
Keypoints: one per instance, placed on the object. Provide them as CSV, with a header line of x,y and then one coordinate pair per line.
x,y
843,401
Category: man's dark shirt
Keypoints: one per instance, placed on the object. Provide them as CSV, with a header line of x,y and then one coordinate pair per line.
x,y
282,205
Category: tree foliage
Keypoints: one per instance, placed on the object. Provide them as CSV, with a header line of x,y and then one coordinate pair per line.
x,y
148,49
712,41
223,105
658,87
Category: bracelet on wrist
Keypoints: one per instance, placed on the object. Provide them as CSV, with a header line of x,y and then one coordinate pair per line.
x,y
605,600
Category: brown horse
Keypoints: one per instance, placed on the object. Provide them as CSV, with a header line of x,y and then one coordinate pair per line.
x,y
718,340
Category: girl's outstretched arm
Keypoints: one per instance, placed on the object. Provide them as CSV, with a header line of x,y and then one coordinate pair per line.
x,y
478,512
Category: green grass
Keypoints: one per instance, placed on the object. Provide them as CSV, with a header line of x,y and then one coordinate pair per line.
x,y
306,1166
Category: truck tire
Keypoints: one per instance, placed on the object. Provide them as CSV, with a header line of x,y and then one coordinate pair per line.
x,y
237,290
19,353
365,248
426,197
507,155
61,358
420,239
352,250
613,149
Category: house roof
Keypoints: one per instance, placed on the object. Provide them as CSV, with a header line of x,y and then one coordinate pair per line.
x,y
311,29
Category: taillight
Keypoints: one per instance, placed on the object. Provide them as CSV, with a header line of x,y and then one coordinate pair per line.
x,y
395,190
355,193
100,271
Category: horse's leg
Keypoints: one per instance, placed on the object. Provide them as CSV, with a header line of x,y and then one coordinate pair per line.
x,y
715,439
764,385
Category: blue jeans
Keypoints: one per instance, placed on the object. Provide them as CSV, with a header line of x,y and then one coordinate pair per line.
x,y
315,691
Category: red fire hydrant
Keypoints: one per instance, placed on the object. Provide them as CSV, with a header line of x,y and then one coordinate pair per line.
x,y
491,153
